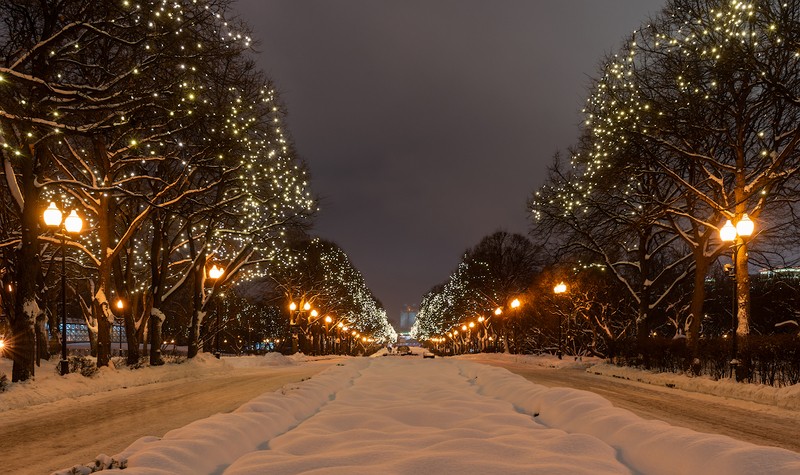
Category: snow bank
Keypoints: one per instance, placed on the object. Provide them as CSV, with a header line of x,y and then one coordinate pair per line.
x,y
787,397
649,447
409,415
50,386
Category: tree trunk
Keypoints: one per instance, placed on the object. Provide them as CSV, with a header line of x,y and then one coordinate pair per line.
x,y
26,274
695,318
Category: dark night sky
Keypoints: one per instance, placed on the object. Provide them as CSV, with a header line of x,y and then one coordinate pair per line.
x,y
428,123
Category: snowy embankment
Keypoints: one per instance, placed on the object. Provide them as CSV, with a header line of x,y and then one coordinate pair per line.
x,y
785,398
49,386
414,415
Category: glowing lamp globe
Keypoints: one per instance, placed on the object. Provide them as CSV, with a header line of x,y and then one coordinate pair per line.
x,y
745,226
728,232
73,223
215,272
52,215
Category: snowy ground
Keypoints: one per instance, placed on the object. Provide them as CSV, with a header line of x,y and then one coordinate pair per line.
x,y
408,414
49,386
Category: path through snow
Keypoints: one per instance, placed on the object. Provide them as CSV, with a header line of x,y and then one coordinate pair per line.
x,y
409,415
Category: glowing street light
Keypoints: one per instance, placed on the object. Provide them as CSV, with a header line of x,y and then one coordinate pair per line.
x,y
560,289
737,236
214,274
73,225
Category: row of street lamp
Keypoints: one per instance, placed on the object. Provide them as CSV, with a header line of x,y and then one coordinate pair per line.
x,y
736,235
342,327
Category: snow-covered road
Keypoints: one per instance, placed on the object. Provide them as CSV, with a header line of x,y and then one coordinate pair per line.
x,y
408,415
47,437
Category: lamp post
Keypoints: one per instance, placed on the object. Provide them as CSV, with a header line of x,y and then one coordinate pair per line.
x,y
560,289
120,307
214,274
737,236
73,225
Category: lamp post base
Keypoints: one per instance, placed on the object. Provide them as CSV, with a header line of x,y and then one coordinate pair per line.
x,y
63,367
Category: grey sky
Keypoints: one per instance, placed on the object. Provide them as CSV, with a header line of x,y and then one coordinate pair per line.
x,y
427,123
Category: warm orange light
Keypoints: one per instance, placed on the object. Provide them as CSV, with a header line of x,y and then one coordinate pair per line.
x,y
515,303
745,226
463,328
314,313
307,306
498,311
292,306
120,304
472,324
560,288
73,223
52,215
215,272
728,232
481,319
328,319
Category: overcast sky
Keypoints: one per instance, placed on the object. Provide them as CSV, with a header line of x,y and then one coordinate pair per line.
x,y
428,123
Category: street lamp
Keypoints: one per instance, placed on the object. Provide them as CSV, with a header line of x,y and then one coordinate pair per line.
x,y
737,236
120,308
560,289
73,225
214,274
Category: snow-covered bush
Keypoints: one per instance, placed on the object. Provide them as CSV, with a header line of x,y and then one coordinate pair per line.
x,y
84,365
3,382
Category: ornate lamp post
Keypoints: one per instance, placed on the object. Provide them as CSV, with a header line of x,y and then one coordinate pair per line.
x,y
73,225
560,289
737,236
214,274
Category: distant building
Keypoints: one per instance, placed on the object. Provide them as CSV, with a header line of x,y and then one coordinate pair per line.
x,y
407,318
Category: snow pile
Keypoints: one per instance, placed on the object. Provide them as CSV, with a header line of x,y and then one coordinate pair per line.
x,y
787,397
48,385
651,447
409,415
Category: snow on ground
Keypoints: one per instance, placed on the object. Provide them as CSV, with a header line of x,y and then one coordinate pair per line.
x,y
786,397
49,386
409,415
